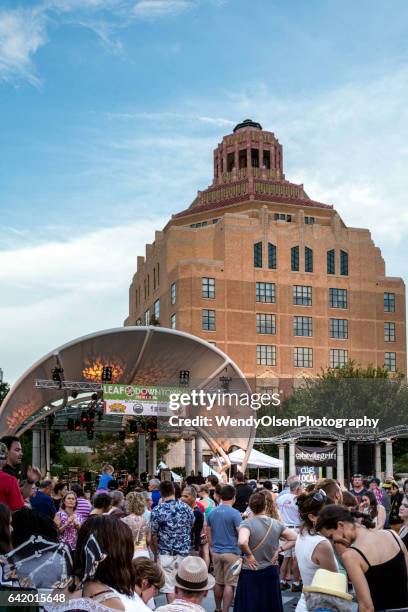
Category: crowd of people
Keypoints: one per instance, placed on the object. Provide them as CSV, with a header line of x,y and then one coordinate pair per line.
x,y
246,540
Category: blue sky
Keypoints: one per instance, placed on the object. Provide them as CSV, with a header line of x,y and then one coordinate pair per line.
x,y
110,111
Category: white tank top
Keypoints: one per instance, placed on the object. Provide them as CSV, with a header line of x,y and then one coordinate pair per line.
x,y
304,549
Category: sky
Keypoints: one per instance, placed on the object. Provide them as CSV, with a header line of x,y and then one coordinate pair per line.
x,y
109,114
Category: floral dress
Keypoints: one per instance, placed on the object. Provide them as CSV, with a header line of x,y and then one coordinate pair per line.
x,y
70,535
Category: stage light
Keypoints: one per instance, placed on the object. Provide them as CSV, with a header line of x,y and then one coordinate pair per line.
x,y
107,373
94,397
133,427
184,377
74,394
90,434
77,425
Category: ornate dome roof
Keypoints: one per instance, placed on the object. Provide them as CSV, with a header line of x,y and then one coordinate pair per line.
x,y
247,123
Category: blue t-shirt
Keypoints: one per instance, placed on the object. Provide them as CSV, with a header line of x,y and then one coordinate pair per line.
x,y
103,481
43,503
224,521
155,497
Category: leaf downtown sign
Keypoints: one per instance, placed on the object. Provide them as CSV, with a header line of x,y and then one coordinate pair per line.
x,y
134,400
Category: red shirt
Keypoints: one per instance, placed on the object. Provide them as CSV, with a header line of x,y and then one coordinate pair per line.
x,y
10,493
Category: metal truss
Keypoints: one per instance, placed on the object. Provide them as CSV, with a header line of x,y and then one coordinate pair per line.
x,y
324,433
68,385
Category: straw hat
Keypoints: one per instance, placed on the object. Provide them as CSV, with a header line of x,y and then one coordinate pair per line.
x,y
329,583
192,575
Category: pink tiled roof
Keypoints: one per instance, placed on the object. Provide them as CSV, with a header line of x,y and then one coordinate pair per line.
x,y
246,197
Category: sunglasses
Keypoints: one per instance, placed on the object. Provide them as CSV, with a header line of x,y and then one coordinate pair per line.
x,y
319,496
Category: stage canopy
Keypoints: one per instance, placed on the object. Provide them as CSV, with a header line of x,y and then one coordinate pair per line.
x,y
148,356
256,459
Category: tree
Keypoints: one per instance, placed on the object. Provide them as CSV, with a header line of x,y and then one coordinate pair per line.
x,y
346,392
4,389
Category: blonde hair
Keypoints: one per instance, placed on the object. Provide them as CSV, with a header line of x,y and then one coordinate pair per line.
x,y
204,489
270,506
135,503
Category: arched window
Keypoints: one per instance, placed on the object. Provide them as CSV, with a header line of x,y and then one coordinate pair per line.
x,y
271,256
294,259
344,263
308,259
258,255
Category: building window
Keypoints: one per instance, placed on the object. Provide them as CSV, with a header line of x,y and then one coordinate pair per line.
x,y
302,295
258,255
265,292
302,357
267,160
338,358
337,298
200,224
230,161
173,321
147,316
331,262
308,259
255,158
215,220
154,278
271,256
265,323
294,259
173,293
148,285
389,302
309,220
302,326
156,310
242,158
282,217
158,274
389,332
208,320
338,328
344,258
208,288
265,354
390,361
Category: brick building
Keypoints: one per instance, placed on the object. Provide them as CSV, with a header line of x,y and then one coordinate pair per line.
x,y
275,279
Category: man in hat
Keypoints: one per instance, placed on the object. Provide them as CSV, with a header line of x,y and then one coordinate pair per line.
x,y
192,583
328,593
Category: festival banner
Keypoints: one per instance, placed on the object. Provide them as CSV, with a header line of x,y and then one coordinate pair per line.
x,y
316,455
134,400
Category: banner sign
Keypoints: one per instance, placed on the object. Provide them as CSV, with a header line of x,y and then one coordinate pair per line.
x,y
316,455
308,474
137,401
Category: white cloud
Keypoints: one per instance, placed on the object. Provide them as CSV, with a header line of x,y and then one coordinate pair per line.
x,y
22,33
53,293
160,8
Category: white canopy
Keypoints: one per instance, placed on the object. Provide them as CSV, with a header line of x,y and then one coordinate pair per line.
x,y
208,471
256,459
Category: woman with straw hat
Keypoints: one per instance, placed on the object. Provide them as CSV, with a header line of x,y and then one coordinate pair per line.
x,y
328,592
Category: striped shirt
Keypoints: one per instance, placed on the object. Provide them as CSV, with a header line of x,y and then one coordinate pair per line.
x,y
83,508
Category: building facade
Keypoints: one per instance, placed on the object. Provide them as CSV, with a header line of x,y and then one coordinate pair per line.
x,y
275,279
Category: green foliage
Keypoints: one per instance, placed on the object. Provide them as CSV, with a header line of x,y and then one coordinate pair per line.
x,y
346,392
4,389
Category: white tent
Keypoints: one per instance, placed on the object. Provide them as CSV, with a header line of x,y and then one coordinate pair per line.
x,y
256,459
163,466
208,471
